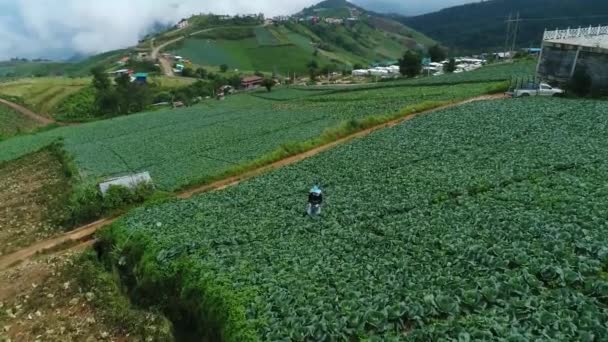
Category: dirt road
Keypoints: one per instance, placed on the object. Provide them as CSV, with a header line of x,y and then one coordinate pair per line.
x,y
165,64
85,233
30,114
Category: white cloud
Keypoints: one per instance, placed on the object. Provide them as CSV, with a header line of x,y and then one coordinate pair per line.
x,y
58,28
32,28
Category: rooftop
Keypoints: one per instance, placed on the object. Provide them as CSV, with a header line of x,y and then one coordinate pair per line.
x,y
252,79
594,37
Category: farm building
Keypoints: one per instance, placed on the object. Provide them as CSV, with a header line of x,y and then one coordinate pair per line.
x,y
251,82
566,51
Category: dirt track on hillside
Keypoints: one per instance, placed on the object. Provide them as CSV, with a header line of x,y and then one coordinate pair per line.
x,y
30,114
85,233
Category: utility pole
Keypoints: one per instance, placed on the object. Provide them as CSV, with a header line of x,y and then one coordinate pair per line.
x,y
515,35
508,35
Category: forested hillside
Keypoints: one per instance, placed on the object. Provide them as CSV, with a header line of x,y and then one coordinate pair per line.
x,y
481,26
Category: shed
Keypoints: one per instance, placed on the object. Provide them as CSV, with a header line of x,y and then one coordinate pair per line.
x,y
565,51
141,77
129,181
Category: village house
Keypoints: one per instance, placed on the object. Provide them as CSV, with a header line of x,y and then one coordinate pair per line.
x,y
183,24
334,21
251,82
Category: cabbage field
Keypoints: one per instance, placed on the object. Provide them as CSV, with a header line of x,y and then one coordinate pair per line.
x,y
483,222
192,145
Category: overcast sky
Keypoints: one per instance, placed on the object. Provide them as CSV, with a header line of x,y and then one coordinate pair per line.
x,y
60,28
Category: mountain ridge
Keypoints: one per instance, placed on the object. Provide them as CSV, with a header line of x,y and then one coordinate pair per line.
x,y
481,26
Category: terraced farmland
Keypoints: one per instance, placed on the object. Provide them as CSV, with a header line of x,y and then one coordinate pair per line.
x,y
12,123
180,147
483,222
42,95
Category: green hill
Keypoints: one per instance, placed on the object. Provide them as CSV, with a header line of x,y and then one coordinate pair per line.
x,y
481,26
27,68
250,44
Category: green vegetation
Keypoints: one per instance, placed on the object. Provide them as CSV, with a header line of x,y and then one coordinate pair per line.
x,y
482,222
246,55
13,123
25,68
201,143
228,33
44,94
480,26
410,64
285,48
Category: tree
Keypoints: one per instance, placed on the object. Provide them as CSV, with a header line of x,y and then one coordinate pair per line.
x,y
258,73
223,67
188,72
357,66
268,83
201,73
101,81
411,64
313,69
437,53
450,66
106,101
234,81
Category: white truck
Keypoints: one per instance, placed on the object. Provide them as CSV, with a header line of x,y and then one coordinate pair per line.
x,y
536,89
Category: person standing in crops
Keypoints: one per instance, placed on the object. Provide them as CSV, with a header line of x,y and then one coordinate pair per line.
x,y
315,199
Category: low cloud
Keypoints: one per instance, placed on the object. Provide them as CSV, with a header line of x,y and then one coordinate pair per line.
x,y
60,28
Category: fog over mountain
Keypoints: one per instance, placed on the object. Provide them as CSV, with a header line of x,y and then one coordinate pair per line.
x,y
58,29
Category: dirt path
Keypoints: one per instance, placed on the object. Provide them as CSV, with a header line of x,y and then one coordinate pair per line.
x,y
231,181
30,114
85,233
68,239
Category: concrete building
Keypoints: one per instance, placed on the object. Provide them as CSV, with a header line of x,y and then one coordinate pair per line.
x,y
566,51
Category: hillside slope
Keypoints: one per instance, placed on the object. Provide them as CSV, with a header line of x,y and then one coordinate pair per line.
x,y
481,26
288,46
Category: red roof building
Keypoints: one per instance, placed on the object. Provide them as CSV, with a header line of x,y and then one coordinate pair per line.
x,y
251,82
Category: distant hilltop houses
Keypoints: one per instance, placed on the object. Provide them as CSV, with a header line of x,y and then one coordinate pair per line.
x,y
280,19
183,24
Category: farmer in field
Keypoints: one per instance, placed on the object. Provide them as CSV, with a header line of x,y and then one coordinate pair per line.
x,y
315,199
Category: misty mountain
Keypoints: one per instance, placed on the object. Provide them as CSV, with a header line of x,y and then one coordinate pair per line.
x,y
481,26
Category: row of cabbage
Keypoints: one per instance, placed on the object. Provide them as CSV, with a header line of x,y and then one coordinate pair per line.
x,y
484,222
180,147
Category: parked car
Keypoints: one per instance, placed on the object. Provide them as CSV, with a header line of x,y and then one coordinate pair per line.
x,y
536,89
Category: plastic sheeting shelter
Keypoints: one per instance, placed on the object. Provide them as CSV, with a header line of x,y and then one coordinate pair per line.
x,y
129,181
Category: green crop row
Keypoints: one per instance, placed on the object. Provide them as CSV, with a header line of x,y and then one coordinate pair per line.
x,y
482,222
196,144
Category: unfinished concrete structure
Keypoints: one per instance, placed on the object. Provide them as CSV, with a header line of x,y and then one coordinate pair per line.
x,y
565,51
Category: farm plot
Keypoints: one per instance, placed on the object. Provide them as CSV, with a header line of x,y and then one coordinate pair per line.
x,y
265,37
12,123
482,222
180,147
42,95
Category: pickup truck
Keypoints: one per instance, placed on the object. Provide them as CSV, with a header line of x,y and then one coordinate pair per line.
x,y
534,89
